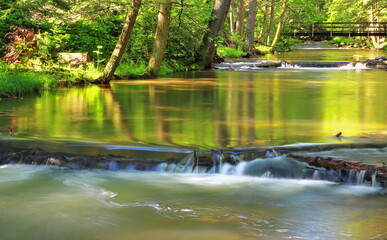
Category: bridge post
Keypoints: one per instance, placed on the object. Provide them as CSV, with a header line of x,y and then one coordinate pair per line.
x,y
368,31
331,29
313,30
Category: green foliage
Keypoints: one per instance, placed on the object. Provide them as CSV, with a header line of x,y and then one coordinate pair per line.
x,y
304,13
172,66
263,49
356,10
131,69
353,42
285,43
53,41
230,52
83,74
86,36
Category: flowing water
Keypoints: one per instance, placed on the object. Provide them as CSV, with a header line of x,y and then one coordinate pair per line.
x,y
168,118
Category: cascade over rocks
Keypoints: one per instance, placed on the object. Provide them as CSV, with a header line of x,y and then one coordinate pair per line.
x,y
281,162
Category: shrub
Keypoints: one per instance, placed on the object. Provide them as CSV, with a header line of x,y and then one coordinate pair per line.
x,y
131,69
230,52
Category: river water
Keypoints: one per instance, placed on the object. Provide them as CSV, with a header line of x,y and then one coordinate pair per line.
x,y
172,116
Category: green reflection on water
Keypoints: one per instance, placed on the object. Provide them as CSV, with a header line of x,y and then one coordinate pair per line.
x,y
210,109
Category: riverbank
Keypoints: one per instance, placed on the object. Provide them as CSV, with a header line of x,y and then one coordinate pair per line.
x,y
19,79
17,82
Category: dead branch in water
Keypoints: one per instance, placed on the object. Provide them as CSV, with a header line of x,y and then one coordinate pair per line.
x,y
380,172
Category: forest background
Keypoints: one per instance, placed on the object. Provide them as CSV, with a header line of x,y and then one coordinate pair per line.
x,y
249,27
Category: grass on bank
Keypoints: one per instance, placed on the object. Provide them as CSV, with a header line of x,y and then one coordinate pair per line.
x,y
15,83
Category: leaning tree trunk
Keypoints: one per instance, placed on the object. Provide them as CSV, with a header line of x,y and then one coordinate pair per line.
x,y
119,50
280,25
161,36
208,48
251,25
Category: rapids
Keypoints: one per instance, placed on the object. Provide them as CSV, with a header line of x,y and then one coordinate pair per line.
x,y
54,203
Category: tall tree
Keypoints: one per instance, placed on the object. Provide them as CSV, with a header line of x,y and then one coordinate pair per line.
x,y
262,27
232,18
123,39
161,37
271,21
251,25
240,17
280,24
215,25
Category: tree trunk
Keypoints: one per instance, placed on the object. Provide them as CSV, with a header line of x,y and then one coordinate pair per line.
x,y
232,18
251,25
161,37
271,22
263,24
373,18
208,48
240,17
280,24
119,50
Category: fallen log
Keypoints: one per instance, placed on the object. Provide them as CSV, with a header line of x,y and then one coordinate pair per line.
x,y
379,173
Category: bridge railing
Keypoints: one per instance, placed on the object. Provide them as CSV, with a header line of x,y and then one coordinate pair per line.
x,y
349,29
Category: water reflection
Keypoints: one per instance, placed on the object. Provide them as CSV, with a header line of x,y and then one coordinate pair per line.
x,y
220,109
210,109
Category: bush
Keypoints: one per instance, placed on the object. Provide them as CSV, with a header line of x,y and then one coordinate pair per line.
x,y
230,52
131,69
264,49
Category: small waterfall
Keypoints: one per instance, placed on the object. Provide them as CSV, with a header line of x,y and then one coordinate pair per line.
x,y
360,177
351,178
354,65
259,162
240,168
316,175
227,169
269,165
374,183
285,64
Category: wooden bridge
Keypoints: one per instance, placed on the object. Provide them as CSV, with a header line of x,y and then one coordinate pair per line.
x,y
348,29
